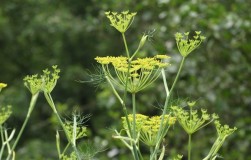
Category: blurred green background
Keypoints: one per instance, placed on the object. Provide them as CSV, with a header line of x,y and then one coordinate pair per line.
x,y
35,35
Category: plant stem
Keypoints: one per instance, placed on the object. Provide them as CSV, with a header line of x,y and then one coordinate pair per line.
x,y
132,133
2,138
127,51
51,103
189,146
159,137
31,107
134,125
134,115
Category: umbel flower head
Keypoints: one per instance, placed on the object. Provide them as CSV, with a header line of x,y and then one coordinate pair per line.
x,y
148,127
5,113
138,74
120,21
80,131
190,120
45,82
2,85
186,45
223,132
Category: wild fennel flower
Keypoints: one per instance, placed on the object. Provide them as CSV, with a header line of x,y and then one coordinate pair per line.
x,y
148,127
120,21
5,113
33,83
72,156
190,120
80,130
2,85
223,132
186,45
138,74
45,82
50,79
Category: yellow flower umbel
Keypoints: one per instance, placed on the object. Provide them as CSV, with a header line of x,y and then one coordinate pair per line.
x,y
148,127
80,131
223,132
120,21
5,113
45,82
190,120
186,45
136,75
2,85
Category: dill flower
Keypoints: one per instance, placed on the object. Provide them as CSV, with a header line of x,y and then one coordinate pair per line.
x,y
120,21
223,132
5,113
190,120
80,130
186,45
148,127
2,85
138,74
45,82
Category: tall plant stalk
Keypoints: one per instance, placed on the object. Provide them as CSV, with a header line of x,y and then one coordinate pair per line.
x,y
168,94
31,107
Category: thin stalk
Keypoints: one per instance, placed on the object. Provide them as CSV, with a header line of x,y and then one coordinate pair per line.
x,y
58,144
189,137
159,137
189,146
127,51
31,107
2,138
134,125
51,103
135,150
134,115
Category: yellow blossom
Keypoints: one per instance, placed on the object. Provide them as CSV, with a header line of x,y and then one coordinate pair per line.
x,y
138,73
120,21
3,85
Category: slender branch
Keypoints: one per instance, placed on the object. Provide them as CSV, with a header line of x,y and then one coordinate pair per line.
x,y
51,103
189,146
31,107
159,137
127,51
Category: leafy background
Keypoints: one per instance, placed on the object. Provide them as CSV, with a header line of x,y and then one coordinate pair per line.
x,y
70,33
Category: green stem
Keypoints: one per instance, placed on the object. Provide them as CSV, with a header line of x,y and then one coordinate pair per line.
x,y
31,107
2,138
159,137
51,103
134,126
67,146
135,150
189,146
134,115
127,51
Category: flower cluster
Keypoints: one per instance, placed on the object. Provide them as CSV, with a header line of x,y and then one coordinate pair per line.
x,y
190,120
120,21
223,131
80,131
137,74
2,85
45,82
186,45
5,113
148,127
